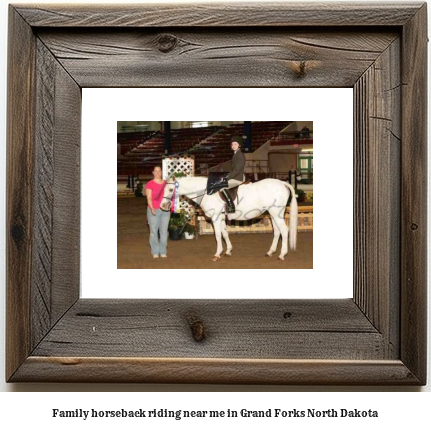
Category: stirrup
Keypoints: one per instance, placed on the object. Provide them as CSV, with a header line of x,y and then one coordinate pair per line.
x,y
230,209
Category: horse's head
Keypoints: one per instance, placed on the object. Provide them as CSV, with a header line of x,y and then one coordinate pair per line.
x,y
168,194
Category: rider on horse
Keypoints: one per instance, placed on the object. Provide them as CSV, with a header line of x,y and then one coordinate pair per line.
x,y
236,175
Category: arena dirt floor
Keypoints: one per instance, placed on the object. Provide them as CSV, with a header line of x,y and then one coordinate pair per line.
x,y
133,249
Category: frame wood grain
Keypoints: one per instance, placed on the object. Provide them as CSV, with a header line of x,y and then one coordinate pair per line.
x,y
378,337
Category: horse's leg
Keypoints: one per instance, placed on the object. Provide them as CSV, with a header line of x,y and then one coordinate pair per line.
x,y
218,233
281,224
274,244
226,238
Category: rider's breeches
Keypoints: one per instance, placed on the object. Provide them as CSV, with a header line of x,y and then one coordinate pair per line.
x,y
233,183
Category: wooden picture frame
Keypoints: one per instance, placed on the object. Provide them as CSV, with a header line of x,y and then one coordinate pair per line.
x,y
378,337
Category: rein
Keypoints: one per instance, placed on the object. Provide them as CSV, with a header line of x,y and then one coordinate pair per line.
x,y
170,199
198,196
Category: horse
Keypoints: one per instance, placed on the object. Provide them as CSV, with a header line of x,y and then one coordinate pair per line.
x,y
253,200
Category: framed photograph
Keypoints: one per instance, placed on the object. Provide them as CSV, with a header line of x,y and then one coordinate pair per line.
x,y
377,337
199,157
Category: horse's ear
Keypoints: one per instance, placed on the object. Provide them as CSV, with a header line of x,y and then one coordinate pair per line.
x,y
173,178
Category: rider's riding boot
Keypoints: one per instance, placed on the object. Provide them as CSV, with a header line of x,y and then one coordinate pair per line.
x,y
230,204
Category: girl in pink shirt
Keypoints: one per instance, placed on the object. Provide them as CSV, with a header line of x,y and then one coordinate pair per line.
x,y
158,220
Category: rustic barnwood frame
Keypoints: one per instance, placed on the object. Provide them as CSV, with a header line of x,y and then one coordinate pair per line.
x,y
378,337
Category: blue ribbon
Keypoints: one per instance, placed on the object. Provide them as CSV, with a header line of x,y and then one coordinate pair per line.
x,y
177,198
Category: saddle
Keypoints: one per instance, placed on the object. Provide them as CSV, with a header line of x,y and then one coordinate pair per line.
x,y
217,184
233,193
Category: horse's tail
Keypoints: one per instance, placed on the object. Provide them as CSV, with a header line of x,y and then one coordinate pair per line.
x,y
293,217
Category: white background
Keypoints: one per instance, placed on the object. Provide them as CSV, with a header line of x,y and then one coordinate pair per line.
x,y
331,111
400,410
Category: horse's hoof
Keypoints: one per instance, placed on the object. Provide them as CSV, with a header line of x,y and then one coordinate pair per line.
x,y
228,254
216,258
267,255
280,258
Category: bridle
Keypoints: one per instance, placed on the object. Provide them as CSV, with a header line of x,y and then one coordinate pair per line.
x,y
165,197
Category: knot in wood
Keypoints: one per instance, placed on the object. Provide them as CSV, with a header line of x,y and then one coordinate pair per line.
x,y
167,42
197,327
414,226
18,233
301,69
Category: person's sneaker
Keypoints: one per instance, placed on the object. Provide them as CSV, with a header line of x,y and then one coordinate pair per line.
x,y
163,255
156,256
